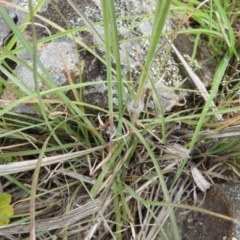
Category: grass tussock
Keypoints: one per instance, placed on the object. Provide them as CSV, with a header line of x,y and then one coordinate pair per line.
x,y
79,171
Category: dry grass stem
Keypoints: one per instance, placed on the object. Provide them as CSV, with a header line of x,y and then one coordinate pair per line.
x,y
67,219
17,167
197,81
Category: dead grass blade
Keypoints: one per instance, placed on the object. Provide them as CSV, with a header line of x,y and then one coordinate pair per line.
x,y
228,132
17,167
34,190
62,221
199,179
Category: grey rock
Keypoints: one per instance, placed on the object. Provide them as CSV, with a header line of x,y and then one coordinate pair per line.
x,y
55,57
5,32
25,4
221,198
232,193
133,52
162,79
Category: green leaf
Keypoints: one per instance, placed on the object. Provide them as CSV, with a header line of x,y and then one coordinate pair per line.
x,y
6,210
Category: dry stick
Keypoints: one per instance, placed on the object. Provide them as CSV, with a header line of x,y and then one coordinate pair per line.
x,y
67,219
196,81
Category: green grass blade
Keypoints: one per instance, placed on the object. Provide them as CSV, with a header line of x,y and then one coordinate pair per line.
x,y
159,21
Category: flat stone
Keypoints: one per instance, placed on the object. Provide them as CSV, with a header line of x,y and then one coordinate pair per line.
x,y
232,193
197,226
221,198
